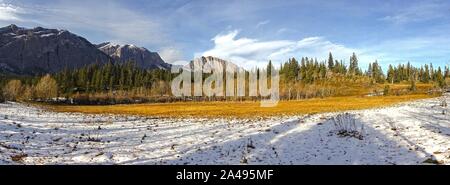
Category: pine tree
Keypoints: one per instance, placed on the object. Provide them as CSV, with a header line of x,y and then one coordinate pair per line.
x,y
426,75
353,68
447,72
369,71
440,78
330,62
432,74
377,72
390,74
269,68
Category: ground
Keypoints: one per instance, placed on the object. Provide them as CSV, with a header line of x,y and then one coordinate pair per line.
x,y
245,109
415,132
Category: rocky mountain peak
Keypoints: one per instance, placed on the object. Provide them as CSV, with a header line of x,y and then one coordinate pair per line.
x,y
31,51
129,52
39,50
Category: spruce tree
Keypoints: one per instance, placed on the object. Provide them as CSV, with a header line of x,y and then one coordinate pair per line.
x,y
440,78
330,62
353,68
390,74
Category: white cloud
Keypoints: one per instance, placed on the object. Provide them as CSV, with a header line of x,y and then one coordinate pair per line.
x,y
262,23
171,54
111,19
9,12
418,12
282,30
249,53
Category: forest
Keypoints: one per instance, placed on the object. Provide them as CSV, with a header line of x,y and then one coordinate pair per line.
x,y
299,79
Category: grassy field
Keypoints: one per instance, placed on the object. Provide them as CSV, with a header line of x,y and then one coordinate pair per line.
x,y
244,109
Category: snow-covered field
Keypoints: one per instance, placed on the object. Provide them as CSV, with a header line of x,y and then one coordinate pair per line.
x,y
408,133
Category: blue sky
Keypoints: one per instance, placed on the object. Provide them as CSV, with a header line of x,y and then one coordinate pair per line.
x,y
250,32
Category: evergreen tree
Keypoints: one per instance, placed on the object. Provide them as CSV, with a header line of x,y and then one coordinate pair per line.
x,y
440,78
353,68
269,68
426,75
330,62
390,74
447,72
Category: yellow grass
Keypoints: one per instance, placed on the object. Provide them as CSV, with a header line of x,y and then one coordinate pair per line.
x,y
244,109
419,86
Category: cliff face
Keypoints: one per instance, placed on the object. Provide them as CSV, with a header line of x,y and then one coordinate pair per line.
x,y
143,57
39,50
210,63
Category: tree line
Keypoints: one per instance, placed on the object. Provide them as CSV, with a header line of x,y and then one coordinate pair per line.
x,y
309,70
126,82
310,78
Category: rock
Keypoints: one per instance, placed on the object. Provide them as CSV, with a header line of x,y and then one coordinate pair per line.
x,y
39,50
432,160
143,57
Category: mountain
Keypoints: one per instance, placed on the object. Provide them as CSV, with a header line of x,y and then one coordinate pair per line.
x,y
143,57
39,50
211,62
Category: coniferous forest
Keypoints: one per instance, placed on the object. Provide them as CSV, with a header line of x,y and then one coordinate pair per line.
x,y
299,79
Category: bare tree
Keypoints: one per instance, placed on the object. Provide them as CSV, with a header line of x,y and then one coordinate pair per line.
x,y
12,90
46,88
28,93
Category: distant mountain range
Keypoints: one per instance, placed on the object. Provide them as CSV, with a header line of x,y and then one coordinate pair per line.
x,y
143,57
39,50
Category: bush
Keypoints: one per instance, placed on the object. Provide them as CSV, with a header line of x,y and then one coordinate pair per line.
x,y
413,86
386,90
346,126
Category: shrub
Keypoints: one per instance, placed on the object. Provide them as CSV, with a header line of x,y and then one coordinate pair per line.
x,y
413,86
345,125
386,90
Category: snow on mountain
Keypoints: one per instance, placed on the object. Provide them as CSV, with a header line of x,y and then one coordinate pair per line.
x,y
128,52
40,50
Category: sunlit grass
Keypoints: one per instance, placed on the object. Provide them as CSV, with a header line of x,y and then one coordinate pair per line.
x,y
244,109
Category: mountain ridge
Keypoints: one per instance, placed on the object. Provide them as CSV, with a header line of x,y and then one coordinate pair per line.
x,y
129,52
38,50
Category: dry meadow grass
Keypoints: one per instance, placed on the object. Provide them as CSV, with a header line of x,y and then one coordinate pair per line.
x,y
247,109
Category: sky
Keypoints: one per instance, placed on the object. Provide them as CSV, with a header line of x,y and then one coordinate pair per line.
x,y
250,32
